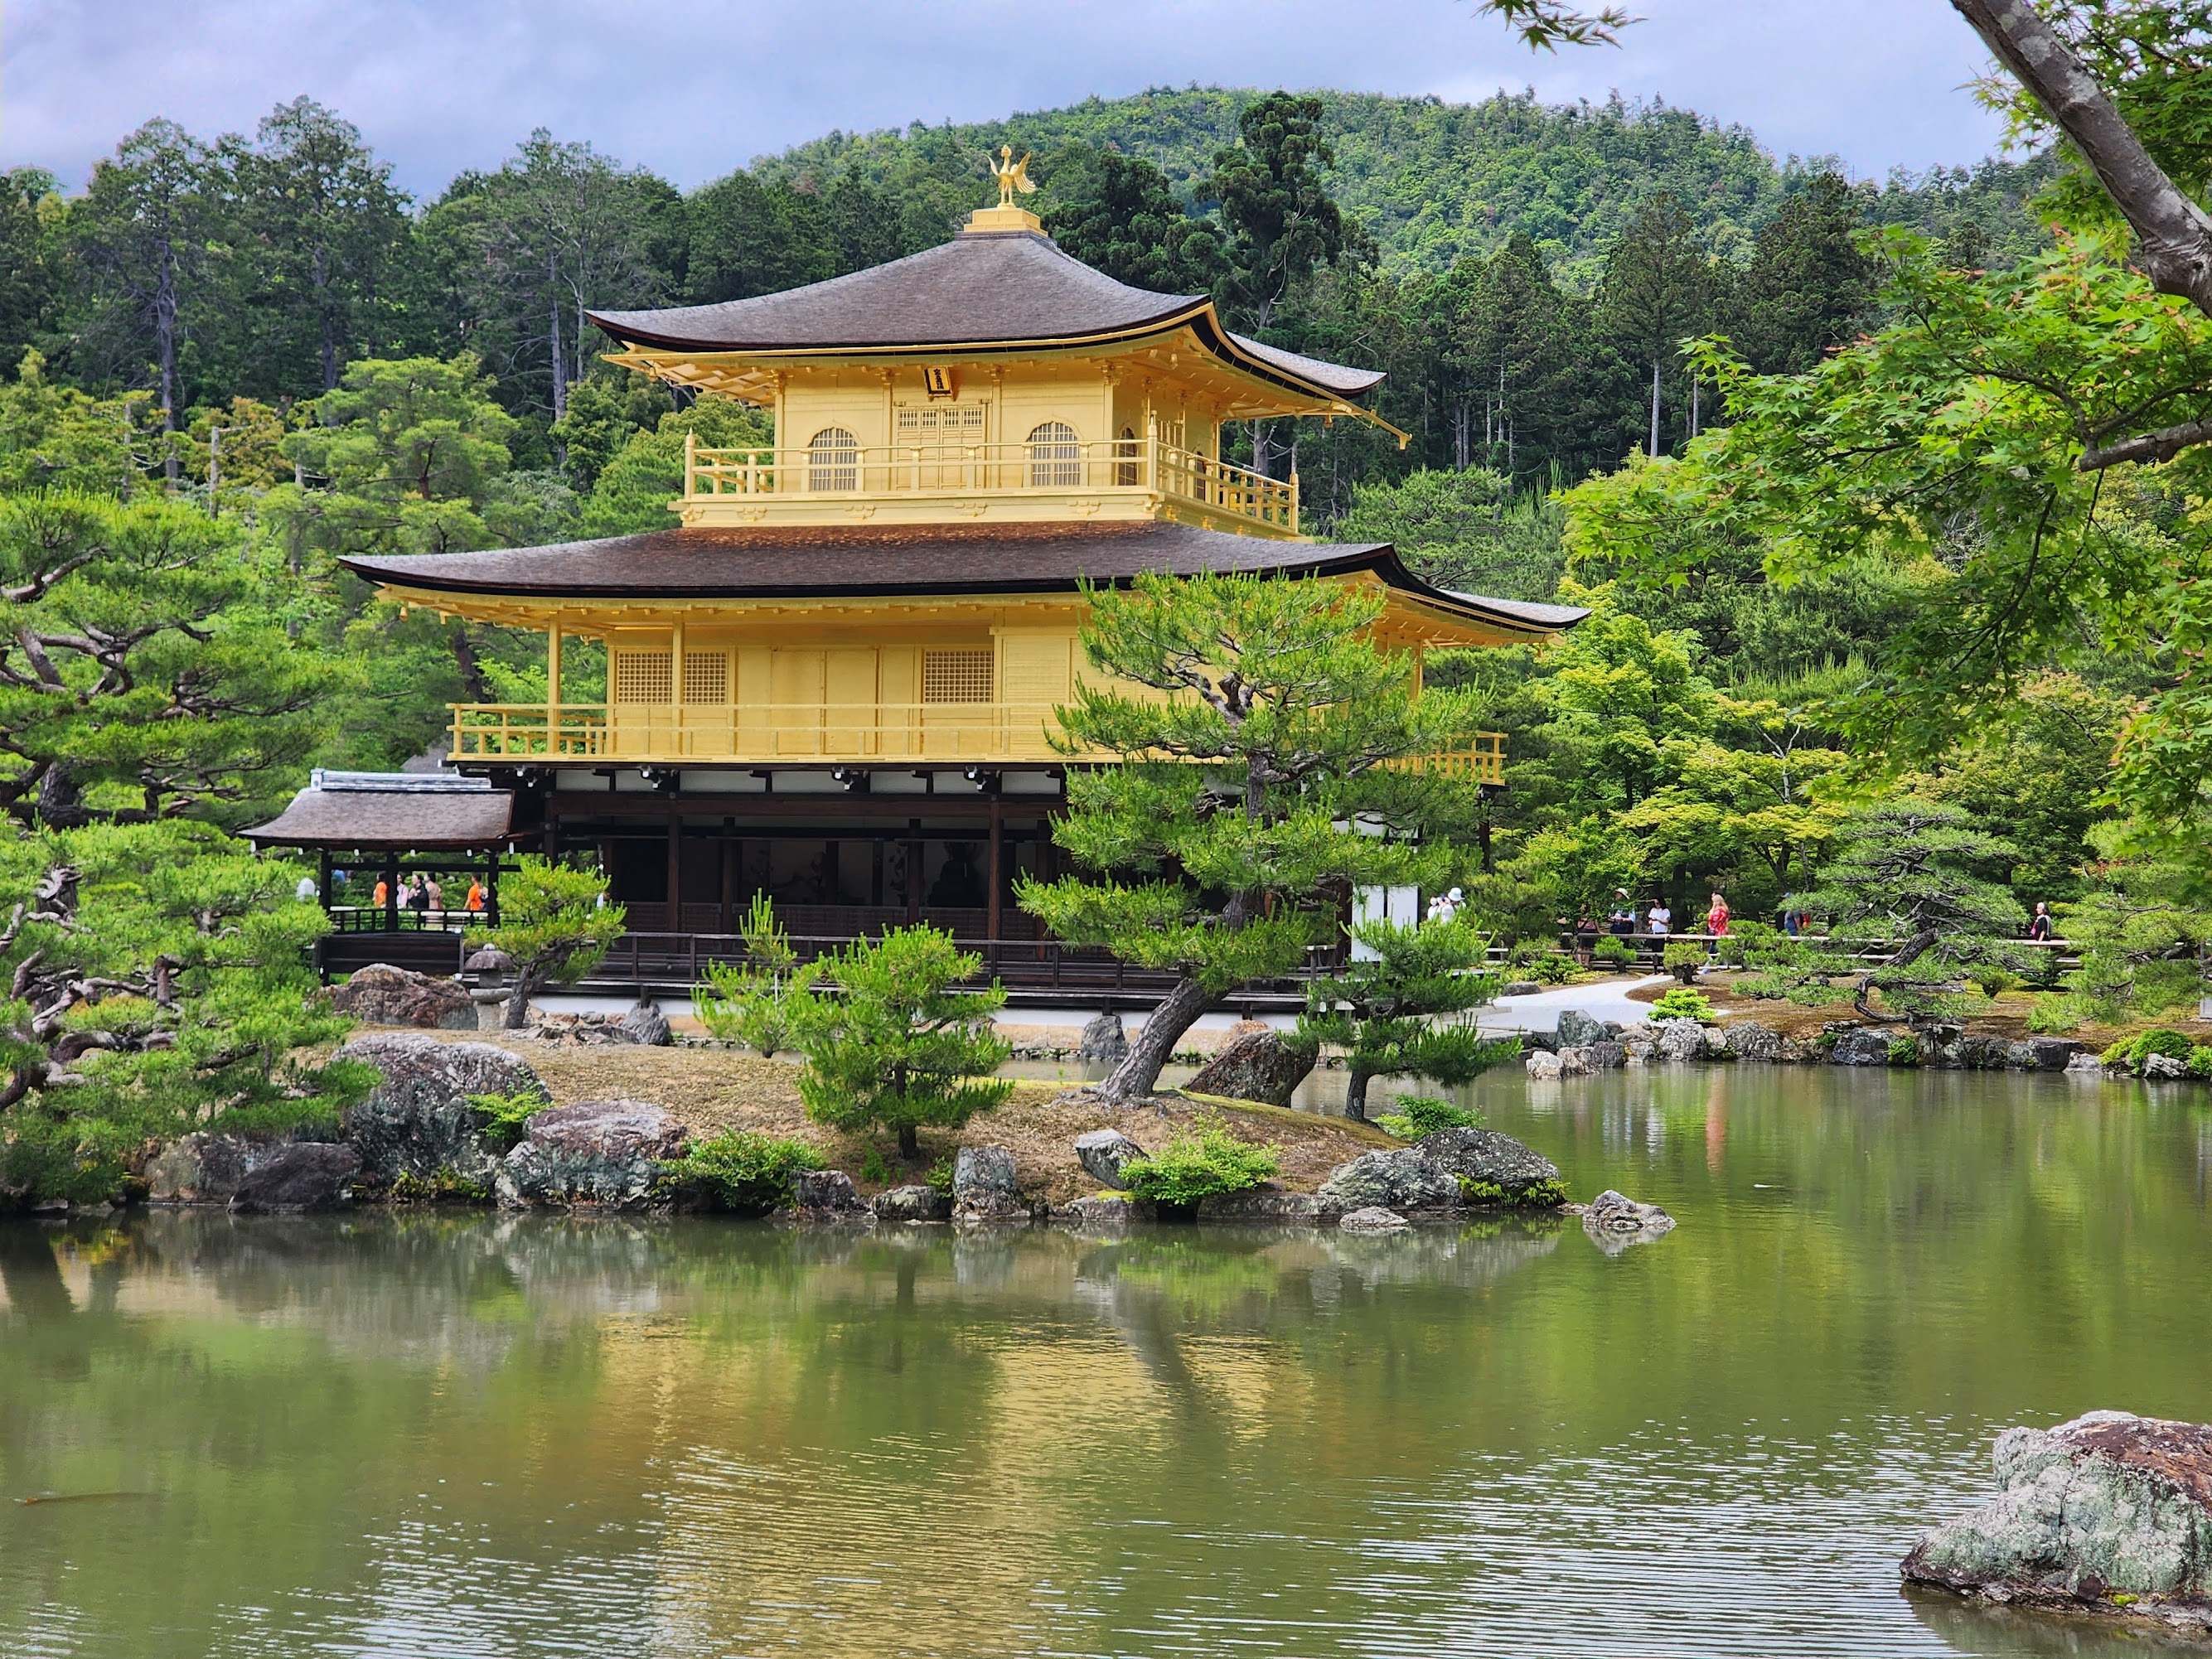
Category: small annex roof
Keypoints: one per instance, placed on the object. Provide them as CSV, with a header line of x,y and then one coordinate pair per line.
x,y
984,292
392,811
824,561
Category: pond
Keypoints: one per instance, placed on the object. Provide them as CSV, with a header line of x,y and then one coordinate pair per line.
x,y
444,1435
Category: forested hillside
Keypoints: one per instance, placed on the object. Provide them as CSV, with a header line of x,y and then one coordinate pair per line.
x,y
1432,182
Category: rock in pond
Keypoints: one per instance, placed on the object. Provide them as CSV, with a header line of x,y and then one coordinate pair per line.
x,y
1374,1219
2109,1511
913,1203
603,1152
1104,1153
1259,1065
1400,1178
1681,1040
1578,1029
1747,1039
827,1193
1489,1159
1860,1046
2163,1068
1544,1067
384,995
1104,1042
1267,1203
984,1186
2084,1064
1615,1222
307,1174
1103,1209
418,1121
1607,1056
201,1169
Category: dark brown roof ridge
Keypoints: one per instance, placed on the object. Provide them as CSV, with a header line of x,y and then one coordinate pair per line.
x,y
764,563
981,292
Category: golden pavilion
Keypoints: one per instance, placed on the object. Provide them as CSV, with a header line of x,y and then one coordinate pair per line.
x,y
834,682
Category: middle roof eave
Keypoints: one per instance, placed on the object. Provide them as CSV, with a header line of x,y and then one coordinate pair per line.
x,y
892,562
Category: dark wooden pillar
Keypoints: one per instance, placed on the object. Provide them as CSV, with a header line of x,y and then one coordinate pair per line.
x,y
491,889
732,855
552,833
391,894
876,872
913,871
322,876
675,923
997,861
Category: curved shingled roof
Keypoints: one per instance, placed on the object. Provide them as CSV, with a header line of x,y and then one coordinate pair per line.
x,y
764,563
992,291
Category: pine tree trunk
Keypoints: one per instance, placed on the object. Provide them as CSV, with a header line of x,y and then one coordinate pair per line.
x,y
330,341
910,1142
1355,1095
518,1002
1178,1011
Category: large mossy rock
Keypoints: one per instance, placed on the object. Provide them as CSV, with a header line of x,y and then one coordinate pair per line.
x,y
1578,1029
1491,1161
1747,1039
984,1186
417,1122
2108,1510
201,1169
604,1153
1860,1048
1103,1043
306,1175
1402,1178
1260,1065
380,995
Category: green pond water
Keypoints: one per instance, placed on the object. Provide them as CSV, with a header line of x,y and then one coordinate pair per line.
x,y
445,1435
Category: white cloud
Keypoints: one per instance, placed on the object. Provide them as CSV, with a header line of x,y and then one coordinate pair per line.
x,y
693,87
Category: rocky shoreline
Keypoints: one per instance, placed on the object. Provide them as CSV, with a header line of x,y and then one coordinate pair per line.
x,y
417,1137
1584,1044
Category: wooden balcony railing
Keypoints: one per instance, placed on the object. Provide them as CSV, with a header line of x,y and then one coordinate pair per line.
x,y
1137,465
764,733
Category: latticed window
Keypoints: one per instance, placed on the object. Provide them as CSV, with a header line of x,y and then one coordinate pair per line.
x,y
706,677
1056,457
955,419
962,675
641,677
833,459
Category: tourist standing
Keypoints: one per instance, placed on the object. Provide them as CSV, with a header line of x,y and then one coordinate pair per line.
x,y
1658,919
1622,922
306,890
474,903
2039,926
1716,917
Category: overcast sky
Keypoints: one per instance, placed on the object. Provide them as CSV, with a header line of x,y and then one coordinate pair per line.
x,y
694,87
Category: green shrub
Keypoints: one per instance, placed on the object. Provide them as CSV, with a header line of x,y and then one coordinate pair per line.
x,y
2161,1040
1991,979
939,1178
1683,1003
752,1002
896,1044
2052,1015
1555,967
502,1119
2043,969
1614,949
2200,1063
1201,1162
1488,1194
742,1170
1683,959
1422,1114
1904,1051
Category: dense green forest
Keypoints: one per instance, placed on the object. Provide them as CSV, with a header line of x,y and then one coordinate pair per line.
x,y
1587,315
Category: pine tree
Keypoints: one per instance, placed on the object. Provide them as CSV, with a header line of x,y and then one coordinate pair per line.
x,y
1222,846
1385,1011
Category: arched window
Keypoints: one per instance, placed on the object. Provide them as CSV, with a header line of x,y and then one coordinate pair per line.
x,y
1055,458
833,459
1125,470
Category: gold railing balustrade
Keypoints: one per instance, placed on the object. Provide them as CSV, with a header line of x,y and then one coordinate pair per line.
x,y
818,734
1143,465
